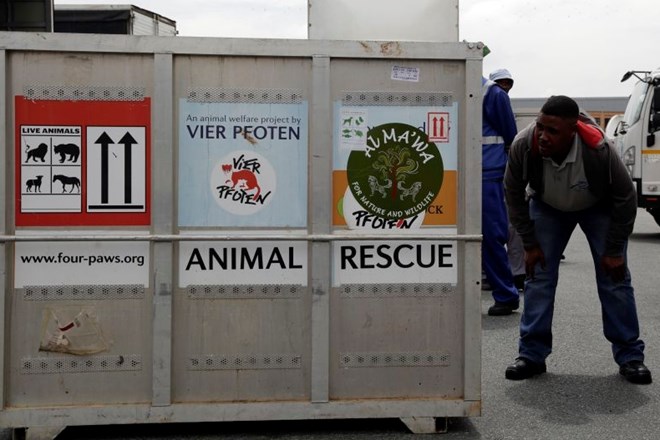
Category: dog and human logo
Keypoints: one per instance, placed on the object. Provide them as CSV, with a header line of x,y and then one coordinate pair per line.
x,y
398,174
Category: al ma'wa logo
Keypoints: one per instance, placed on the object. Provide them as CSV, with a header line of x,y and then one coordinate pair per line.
x,y
399,172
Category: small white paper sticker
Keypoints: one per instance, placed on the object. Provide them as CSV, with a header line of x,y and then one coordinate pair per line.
x,y
353,129
400,73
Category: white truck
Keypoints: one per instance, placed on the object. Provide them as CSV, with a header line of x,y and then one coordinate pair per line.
x,y
637,137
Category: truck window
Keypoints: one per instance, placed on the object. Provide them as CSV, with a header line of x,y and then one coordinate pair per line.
x,y
635,103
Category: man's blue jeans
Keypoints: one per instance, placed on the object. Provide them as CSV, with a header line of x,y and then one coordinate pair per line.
x,y
620,324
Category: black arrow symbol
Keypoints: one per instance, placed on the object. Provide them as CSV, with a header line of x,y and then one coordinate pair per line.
x,y
128,141
104,140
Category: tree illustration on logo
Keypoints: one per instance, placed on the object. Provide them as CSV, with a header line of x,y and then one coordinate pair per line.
x,y
395,164
397,173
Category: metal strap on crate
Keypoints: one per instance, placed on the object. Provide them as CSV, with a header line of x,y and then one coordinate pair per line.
x,y
80,364
92,93
236,291
373,359
245,95
359,98
217,237
269,361
83,292
413,290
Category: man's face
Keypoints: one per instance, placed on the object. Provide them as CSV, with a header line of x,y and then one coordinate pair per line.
x,y
506,84
555,136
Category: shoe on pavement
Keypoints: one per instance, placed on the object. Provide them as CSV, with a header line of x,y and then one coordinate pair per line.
x,y
524,369
503,309
636,372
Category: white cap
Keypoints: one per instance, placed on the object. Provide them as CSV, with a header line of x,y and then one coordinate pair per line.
x,y
500,74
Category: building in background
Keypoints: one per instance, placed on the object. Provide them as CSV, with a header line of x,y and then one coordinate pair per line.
x,y
44,16
111,19
26,15
601,109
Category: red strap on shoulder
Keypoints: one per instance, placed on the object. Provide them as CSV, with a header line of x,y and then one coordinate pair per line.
x,y
590,134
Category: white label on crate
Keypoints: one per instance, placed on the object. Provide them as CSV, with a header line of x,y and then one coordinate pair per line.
x,y
242,263
353,128
51,168
382,262
400,73
116,169
99,263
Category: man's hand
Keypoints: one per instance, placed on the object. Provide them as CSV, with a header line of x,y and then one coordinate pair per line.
x,y
533,256
615,267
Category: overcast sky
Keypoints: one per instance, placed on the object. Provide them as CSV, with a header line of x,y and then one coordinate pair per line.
x,y
572,47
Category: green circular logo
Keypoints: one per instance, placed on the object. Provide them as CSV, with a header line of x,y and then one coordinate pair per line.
x,y
398,174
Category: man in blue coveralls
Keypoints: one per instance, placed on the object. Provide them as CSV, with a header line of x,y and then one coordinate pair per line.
x,y
498,130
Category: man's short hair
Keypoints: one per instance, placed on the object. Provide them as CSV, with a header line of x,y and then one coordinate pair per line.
x,y
561,106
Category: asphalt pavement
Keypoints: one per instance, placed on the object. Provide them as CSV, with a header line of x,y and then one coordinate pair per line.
x,y
581,396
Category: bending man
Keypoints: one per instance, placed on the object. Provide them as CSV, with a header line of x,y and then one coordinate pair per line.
x,y
575,178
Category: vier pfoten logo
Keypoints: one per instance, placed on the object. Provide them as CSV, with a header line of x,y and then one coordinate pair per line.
x,y
399,172
243,182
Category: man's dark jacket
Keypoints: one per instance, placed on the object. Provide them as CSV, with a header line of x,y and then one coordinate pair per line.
x,y
606,175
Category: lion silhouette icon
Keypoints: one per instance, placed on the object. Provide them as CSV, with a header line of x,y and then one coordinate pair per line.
x,y
37,153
